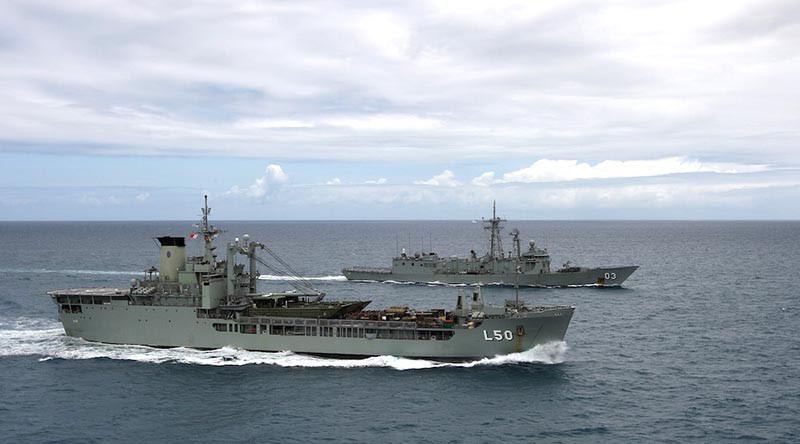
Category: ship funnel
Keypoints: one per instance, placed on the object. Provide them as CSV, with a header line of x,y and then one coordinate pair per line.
x,y
477,300
173,257
462,309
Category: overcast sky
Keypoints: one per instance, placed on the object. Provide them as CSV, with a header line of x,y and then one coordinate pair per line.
x,y
117,110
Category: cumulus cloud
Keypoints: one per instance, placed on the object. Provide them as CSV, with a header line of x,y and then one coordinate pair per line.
x,y
380,181
446,179
274,175
334,181
141,197
484,180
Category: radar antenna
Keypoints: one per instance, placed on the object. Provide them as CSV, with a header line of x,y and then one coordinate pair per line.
x,y
515,240
209,232
494,225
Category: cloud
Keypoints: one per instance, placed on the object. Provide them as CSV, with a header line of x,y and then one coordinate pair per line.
x,y
385,122
446,179
602,93
386,33
271,124
97,200
141,197
484,180
546,170
263,185
455,82
338,181
670,196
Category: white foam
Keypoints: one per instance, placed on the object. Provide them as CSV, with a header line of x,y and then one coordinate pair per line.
x,y
446,284
436,283
389,281
50,342
270,277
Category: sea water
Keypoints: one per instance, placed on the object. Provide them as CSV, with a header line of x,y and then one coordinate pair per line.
x,y
700,344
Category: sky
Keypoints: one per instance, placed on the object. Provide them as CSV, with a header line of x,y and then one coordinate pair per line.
x,y
350,110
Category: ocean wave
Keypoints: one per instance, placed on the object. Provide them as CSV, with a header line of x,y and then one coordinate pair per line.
x,y
26,323
49,342
271,277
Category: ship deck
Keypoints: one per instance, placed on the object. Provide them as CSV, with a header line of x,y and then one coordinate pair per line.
x,y
362,269
102,291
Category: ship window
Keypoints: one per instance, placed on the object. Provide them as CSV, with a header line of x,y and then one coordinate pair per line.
x,y
247,329
289,330
230,327
220,327
71,309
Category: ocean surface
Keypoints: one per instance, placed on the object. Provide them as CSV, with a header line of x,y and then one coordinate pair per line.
x,y
700,345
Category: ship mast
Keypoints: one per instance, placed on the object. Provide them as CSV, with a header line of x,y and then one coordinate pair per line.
x,y
209,232
494,225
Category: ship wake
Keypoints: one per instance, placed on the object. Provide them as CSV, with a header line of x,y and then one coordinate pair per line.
x,y
281,278
46,339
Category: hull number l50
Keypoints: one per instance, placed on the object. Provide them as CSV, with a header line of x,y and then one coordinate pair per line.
x,y
498,335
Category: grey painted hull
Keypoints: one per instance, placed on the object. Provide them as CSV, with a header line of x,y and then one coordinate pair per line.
x,y
604,276
160,326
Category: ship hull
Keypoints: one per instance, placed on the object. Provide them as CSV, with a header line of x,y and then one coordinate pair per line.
x,y
160,326
603,276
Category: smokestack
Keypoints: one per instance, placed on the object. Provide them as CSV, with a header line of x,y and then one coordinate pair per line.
x,y
173,257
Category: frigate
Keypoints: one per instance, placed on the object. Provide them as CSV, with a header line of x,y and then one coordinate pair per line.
x,y
519,268
205,302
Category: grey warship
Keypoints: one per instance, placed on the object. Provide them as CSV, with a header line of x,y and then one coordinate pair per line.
x,y
205,303
530,268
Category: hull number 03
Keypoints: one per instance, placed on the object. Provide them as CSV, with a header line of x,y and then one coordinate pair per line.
x,y
611,275
498,335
